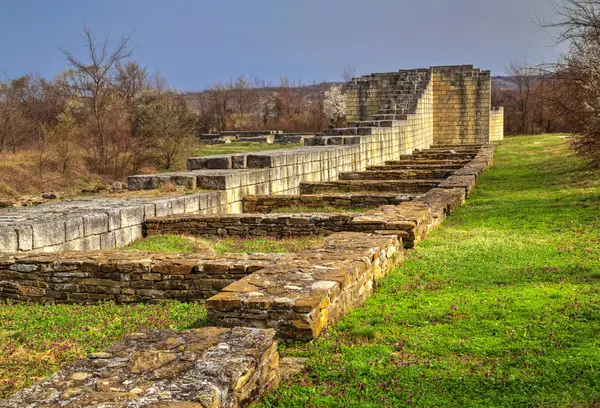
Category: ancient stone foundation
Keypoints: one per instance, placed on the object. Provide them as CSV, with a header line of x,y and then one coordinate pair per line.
x,y
414,148
208,367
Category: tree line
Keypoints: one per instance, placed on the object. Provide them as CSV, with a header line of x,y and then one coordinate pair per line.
x,y
563,96
109,114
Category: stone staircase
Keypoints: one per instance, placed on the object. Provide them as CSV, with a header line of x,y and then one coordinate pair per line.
x,y
401,101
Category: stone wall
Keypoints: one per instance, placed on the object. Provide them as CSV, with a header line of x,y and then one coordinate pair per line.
x,y
301,298
461,100
461,105
497,124
122,276
199,368
93,224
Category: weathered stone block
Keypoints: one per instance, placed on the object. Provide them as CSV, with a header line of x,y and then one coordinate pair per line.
x,y
48,233
9,241
95,223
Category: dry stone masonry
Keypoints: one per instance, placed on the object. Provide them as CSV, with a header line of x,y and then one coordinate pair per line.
x,y
416,144
200,368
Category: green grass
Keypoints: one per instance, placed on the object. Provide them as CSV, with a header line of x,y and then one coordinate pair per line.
x,y
36,340
216,245
170,243
499,307
265,244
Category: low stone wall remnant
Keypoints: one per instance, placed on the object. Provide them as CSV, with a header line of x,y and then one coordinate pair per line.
x,y
199,368
123,276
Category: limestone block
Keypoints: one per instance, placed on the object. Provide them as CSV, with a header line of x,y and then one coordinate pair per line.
x,y
74,228
191,203
123,237
9,241
48,233
163,207
108,240
196,163
25,234
91,243
130,216
94,223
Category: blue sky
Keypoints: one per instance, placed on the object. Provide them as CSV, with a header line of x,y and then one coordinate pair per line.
x,y
195,43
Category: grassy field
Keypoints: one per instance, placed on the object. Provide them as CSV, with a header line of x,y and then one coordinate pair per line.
x,y
216,245
499,307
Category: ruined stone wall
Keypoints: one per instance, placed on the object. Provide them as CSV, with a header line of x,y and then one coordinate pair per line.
x,y
461,105
208,367
122,276
497,124
366,95
93,224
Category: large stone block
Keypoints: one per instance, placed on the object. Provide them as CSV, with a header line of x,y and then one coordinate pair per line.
x,y
9,241
48,233
95,223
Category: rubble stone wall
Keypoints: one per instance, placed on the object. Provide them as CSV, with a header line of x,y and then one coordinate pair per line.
x,y
208,367
270,203
123,277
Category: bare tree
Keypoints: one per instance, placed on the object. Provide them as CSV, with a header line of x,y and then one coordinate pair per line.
x,y
131,79
95,80
166,120
348,73
525,78
578,71
221,100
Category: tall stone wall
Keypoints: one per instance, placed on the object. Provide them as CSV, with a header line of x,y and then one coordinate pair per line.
x,y
461,100
497,124
461,105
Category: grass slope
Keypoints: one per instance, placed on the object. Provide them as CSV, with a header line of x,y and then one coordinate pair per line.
x,y
499,307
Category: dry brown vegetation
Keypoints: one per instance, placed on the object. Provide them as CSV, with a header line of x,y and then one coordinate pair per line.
x,y
107,117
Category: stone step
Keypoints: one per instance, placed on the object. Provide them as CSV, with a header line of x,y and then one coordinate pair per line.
x,y
465,182
218,366
438,156
418,166
454,150
454,147
390,117
425,162
404,174
347,186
